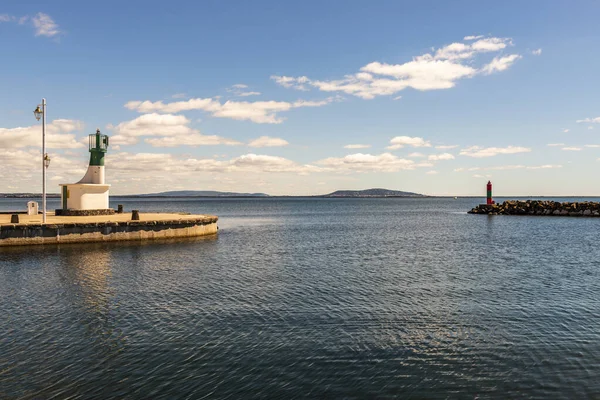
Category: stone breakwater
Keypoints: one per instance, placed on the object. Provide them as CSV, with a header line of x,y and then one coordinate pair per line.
x,y
540,207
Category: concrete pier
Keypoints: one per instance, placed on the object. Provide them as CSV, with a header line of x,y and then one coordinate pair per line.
x,y
101,228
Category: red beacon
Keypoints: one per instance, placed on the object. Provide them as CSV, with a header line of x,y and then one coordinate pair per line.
x,y
489,193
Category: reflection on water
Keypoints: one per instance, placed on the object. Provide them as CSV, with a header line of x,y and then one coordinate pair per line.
x,y
85,276
311,298
242,222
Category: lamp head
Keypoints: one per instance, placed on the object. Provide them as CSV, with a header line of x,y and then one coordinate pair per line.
x,y
46,160
38,113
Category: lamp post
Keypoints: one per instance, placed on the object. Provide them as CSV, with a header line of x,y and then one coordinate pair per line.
x,y
45,159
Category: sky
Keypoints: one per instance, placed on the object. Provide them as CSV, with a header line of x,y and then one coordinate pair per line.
x,y
304,98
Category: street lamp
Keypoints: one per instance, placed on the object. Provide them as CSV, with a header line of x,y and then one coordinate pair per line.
x,y
41,113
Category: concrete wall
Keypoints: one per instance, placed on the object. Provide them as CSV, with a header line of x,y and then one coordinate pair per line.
x,y
82,196
22,234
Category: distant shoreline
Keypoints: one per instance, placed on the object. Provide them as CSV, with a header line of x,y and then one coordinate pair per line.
x,y
142,196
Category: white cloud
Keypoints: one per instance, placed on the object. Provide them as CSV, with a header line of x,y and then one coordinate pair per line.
x,y
555,144
472,37
195,139
401,141
266,141
23,167
571,148
179,96
565,131
177,106
45,25
312,103
261,112
425,164
508,168
154,125
246,94
537,52
155,170
589,120
547,166
271,164
446,147
500,64
440,70
440,157
13,160
593,146
166,162
357,146
397,98
359,162
457,51
454,51
590,127
491,44
238,90
122,140
59,135
431,172
172,130
417,155
298,83
480,152
420,74
504,167
424,73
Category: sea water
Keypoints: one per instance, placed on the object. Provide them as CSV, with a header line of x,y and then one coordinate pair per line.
x,y
309,298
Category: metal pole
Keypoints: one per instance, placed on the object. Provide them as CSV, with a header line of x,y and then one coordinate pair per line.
x,y
44,161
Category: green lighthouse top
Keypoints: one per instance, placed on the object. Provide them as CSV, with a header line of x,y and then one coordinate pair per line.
x,y
98,146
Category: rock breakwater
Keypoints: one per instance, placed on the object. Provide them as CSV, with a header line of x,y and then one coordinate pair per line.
x,y
540,207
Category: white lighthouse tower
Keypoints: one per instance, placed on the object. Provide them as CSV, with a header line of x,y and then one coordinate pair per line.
x,y
89,196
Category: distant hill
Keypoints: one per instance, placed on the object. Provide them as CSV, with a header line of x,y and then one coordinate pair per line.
x,y
202,193
373,193
28,195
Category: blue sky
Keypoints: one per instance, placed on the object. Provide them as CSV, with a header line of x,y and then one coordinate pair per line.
x,y
268,96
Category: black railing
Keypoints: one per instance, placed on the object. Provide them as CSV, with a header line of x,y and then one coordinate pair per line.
x,y
99,142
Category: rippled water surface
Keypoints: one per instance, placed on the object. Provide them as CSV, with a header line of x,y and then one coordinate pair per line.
x,y
310,298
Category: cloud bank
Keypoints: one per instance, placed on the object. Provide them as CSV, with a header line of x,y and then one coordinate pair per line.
x,y
440,69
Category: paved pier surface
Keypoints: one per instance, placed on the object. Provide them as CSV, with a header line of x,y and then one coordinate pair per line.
x,y
53,219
